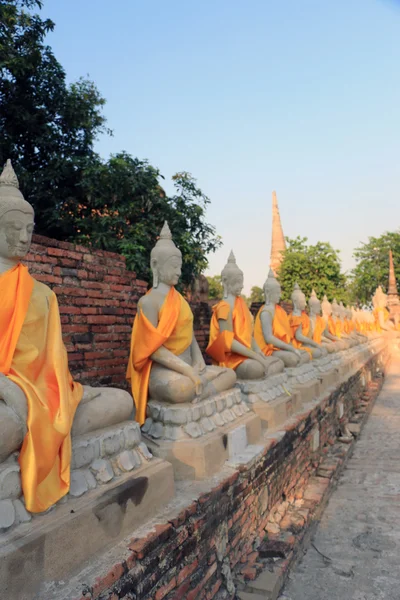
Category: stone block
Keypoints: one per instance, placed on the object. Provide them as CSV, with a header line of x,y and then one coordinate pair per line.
x,y
10,481
237,441
78,485
102,470
21,514
7,514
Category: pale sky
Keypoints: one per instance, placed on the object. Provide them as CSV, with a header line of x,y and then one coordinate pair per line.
x,y
301,96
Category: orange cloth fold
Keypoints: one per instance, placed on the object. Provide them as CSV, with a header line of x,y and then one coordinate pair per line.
x,y
302,321
334,327
280,329
174,331
319,328
39,366
220,342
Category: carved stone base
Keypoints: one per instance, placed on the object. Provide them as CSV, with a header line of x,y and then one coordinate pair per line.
x,y
97,459
55,544
272,399
198,438
305,381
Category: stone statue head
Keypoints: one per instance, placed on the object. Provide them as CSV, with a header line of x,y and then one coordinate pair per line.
x,y
342,310
16,218
335,309
232,277
298,298
379,300
165,259
272,289
349,313
326,307
314,304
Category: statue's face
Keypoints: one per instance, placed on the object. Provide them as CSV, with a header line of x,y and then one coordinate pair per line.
x,y
327,308
301,301
170,272
16,230
315,307
234,284
273,294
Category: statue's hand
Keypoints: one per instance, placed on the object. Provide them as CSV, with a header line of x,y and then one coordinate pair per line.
x,y
200,368
14,398
195,377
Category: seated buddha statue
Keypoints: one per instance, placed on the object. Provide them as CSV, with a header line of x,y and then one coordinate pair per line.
x,y
301,326
380,312
339,317
352,327
166,362
39,401
318,328
272,330
332,332
231,341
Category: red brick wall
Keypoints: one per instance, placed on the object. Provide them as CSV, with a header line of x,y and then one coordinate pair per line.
x,y
97,296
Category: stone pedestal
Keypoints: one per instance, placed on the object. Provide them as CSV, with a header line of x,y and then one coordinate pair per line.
x,y
198,438
272,399
116,485
304,380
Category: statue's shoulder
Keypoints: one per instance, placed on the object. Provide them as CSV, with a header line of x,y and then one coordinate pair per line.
x,y
41,289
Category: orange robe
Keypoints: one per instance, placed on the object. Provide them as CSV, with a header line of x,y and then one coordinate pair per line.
x,y
302,321
386,316
174,331
280,329
33,356
334,327
319,328
220,342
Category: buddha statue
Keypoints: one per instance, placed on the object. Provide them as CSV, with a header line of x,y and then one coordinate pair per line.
x,y
332,332
165,362
272,330
231,341
342,324
301,326
40,404
380,312
318,328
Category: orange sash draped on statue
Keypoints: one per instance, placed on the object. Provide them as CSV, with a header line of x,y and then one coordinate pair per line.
x,y
220,342
280,329
39,366
174,331
334,327
302,321
319,328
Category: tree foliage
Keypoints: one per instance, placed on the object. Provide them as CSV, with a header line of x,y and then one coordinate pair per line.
x,y
124,208
46,127
49,128
215,290
312,267
372,268
256,294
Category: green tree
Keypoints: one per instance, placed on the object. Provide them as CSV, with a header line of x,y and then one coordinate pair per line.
x,y
215,290
124,208
256,294
312,267
46,127
372,268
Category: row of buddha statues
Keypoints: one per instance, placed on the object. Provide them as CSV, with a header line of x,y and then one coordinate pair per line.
x,y
41,406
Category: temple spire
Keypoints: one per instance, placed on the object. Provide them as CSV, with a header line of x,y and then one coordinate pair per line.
x,y
278,244
392,289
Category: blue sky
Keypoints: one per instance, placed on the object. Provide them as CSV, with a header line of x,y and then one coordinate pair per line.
x,y
301,96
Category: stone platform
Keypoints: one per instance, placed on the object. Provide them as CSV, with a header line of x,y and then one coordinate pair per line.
x,y
198,438
272,399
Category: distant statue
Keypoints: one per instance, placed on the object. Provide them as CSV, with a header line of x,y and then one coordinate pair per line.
x,y
40,404
231,341
166,362
380,312
272,329
301,326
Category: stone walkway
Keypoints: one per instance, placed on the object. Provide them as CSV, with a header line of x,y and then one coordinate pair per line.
x,y
355,553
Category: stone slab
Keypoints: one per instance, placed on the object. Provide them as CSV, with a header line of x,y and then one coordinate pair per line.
x,y
308,391
274,414
56,544
204,456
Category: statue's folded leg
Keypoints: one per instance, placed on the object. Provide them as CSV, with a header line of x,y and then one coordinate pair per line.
x,y
316,352
218,379
169,386
11,431
250,369
305,357
110,407
290,359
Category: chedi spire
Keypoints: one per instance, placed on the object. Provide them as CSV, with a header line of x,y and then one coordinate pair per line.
x,y
278,244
